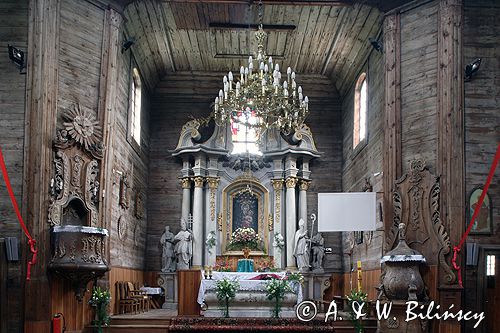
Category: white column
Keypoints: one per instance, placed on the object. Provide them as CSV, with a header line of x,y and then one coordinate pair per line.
x,y
278,225
291,222
213,184
198,241
303,187
186,197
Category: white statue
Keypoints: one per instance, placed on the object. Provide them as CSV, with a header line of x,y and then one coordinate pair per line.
x,y
183,247
168,255
300,250
318,252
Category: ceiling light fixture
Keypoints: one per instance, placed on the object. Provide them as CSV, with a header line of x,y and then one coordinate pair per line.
x,y
258,98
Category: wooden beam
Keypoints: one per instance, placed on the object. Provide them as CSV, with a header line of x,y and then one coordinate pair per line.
x,y
450,154
392,142
242,26
272,2
41,115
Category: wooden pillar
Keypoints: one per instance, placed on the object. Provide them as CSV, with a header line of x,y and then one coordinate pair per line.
x,y
41,111
392,115
450,161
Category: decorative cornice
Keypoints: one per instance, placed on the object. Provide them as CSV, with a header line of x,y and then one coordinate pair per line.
x,y
291,182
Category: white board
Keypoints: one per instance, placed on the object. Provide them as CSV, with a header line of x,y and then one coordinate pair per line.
x,y
346,211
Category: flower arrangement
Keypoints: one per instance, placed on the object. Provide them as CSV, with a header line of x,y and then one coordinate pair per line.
x,y
210,241
223,264
275,290
245,237
295,277
359,297
264,264
279,241
100,300
225,290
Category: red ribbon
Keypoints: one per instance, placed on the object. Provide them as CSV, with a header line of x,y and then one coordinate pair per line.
x,y
456,249
31,241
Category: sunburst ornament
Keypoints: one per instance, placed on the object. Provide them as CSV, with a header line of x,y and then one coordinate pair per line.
x,y
82,127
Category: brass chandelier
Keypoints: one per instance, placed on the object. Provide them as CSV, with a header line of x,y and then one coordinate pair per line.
x,y
259,99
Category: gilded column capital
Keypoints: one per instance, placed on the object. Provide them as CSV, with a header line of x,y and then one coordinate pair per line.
x,y
213,182
185,182
277,184
291,182
198,181
304,184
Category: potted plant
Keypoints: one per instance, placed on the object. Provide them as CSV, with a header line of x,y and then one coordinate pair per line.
x,y
275,290
100,301
226,291
360,297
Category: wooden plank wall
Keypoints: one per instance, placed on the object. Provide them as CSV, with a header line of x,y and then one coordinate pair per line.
x,y
80,46
366,160
370,280
182,95
128,251
122,274
481,30
419,84
14,31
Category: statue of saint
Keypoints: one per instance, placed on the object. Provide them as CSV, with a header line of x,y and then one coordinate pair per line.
x,y
318,252
167,257
300,250
183,247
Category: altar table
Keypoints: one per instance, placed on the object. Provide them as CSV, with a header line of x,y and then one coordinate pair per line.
x,y
251,299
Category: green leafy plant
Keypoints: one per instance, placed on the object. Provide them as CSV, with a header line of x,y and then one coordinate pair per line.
x,y
275,290
360,297
225,290
100,300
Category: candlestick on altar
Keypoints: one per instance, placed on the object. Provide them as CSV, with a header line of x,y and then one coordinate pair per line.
x,y
360,278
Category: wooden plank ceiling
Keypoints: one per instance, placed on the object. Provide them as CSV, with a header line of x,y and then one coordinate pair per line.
x,y
173,36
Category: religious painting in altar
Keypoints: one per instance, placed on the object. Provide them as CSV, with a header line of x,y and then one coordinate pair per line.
x,y
245,211
483,224
245,205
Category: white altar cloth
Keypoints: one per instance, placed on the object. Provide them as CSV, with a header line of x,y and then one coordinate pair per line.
x,y
245,282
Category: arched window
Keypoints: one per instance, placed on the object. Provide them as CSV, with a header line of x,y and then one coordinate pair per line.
x,y
360,109
135,106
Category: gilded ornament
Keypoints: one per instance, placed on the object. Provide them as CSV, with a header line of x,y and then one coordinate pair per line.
x,y
291,182
186,182
198,181
304,185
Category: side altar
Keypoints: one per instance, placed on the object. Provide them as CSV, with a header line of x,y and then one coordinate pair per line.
x,y
251,299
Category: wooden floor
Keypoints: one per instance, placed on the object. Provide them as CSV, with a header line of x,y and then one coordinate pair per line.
x,y
167,321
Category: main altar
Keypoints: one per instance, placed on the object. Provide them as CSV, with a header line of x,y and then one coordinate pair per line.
x,y
251,299
224,192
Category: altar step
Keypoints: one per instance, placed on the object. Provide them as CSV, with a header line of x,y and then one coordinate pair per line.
x,y
200,324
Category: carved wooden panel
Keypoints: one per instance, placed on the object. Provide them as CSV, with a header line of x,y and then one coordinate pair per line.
x,y
416,204
75,186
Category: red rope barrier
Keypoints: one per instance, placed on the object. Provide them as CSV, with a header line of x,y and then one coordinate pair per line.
x,y
31,241
456,249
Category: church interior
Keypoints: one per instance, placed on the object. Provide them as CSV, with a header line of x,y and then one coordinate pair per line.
x,y
245,165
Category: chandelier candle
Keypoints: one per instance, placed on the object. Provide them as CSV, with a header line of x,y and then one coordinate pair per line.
x,y
261,95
